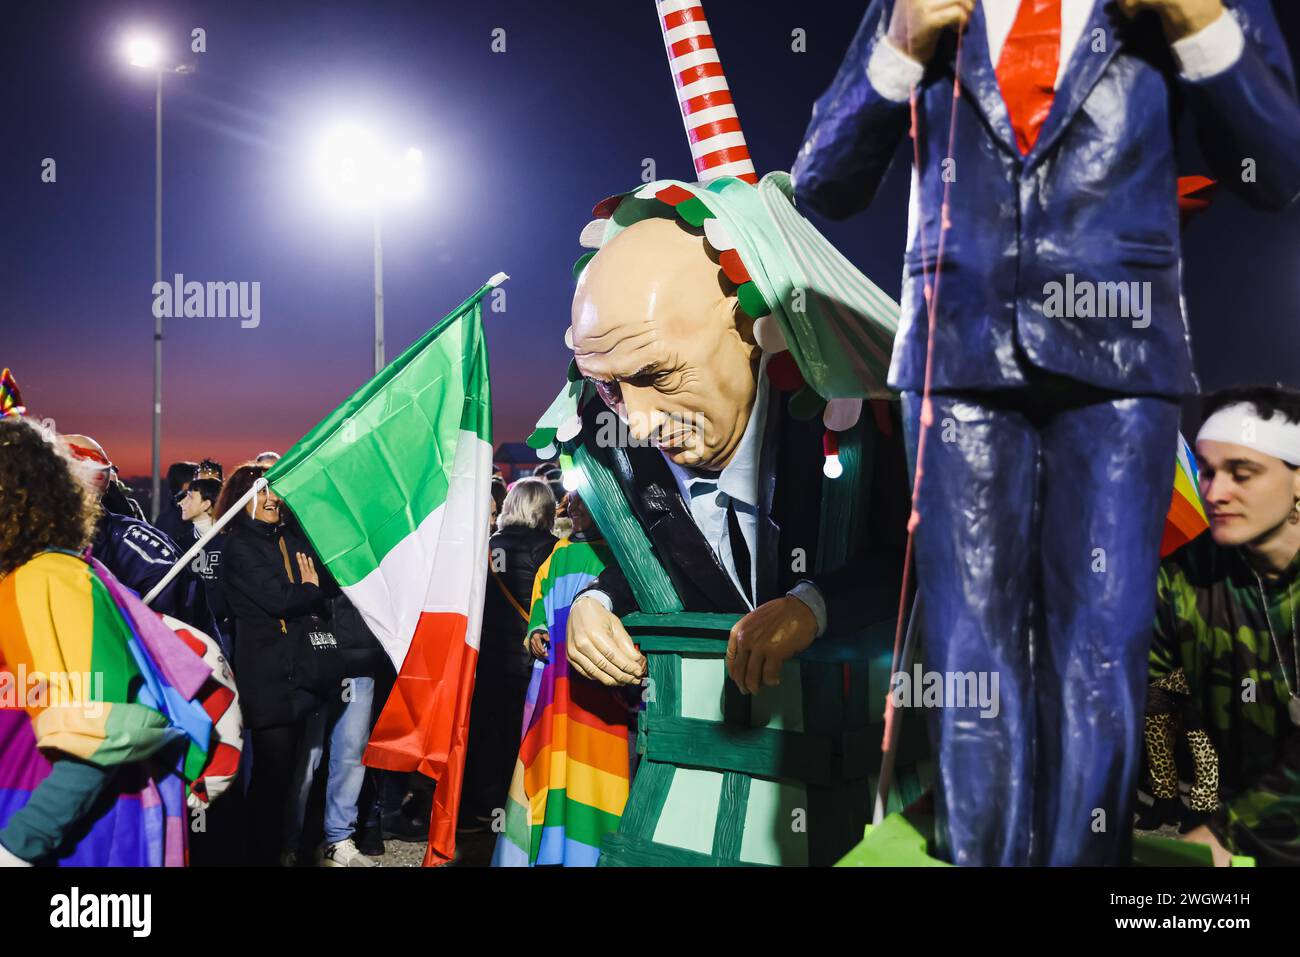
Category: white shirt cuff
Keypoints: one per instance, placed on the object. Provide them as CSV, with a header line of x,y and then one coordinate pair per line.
x,y
892,72
809,594
9,859
1213,50
600,596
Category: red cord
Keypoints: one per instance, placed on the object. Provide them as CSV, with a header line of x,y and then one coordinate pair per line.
x,y
927,412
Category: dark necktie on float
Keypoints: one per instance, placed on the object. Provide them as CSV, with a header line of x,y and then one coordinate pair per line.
x,y
740,557
1027,68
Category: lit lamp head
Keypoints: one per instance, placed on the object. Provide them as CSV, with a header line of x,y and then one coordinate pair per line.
x,y
143,52
354,168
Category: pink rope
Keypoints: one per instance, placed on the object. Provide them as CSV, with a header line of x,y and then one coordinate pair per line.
x,y
927,412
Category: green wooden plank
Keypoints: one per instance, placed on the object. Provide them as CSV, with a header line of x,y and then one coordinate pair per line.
x,y
682,622
729,828
677,644
622,850
762,752
645,802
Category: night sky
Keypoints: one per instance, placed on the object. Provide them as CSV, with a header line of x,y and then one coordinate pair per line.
x,y
519,146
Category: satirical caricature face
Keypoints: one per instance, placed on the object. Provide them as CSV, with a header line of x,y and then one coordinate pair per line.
x,y
657,328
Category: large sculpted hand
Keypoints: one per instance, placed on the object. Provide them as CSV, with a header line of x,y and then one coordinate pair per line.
x,y
1181,18
916,25
599,647
766,639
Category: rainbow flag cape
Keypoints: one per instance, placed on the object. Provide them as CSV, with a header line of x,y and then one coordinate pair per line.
x,y
11,400
572,775
1186,518
86,669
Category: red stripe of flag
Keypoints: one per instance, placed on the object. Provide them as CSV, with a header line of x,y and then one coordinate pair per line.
x,y
424,725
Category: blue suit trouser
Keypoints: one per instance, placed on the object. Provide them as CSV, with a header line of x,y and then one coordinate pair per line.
x,y
1041,512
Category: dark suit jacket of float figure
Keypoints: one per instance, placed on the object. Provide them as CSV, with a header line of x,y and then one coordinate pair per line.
x,y
1064,428
789,520
1095,197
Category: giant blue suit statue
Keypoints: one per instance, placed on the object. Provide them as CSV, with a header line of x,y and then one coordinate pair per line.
x,y
1048,467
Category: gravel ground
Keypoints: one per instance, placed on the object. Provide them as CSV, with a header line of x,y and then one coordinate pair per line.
x,y
473,850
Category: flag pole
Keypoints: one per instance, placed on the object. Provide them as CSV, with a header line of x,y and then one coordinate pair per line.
x,y
197,547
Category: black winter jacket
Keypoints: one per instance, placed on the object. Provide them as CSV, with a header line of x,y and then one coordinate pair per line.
x,y
271,613
514,555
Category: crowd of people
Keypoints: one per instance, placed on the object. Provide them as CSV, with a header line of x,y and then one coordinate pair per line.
x,y
311,677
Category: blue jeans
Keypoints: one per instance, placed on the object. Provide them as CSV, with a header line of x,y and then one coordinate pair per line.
x,y
345,720
1036,557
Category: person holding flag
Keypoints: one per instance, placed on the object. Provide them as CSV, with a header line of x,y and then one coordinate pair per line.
x,y
392,489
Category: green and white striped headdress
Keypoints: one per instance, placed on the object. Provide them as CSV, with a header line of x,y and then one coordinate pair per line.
x,y
828,329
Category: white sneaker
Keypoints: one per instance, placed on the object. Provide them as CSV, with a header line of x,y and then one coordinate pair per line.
x,y
345,854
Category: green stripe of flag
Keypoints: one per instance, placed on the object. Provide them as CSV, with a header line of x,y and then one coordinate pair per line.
x,y
366,477
581,822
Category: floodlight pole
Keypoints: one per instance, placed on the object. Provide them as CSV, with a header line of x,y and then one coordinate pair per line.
x,y
379,293
156,498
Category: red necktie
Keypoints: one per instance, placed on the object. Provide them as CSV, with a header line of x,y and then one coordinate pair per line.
x,y
1028,66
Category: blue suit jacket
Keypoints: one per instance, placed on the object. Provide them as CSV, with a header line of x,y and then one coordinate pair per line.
x,y
1096,198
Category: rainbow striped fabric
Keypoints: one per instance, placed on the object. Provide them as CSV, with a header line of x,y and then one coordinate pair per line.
x,y
86,669
1186,518
571,778
11,400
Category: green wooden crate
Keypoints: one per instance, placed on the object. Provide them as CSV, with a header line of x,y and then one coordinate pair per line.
x,y
786,777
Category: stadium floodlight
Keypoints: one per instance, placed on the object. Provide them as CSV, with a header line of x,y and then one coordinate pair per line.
x,y
356,168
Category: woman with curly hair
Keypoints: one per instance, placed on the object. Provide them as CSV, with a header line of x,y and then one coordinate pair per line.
x,y
94,734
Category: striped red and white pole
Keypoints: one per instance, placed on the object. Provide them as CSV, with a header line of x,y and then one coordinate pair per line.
x,y
712,125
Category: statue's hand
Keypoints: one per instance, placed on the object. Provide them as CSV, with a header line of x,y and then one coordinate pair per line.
x,y
917,25
1181,18
766,639
599,647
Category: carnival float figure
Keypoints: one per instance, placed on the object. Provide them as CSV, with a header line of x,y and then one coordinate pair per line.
x,y
1044,138
728,425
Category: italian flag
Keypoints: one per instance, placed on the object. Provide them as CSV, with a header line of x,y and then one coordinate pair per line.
x,y
392,489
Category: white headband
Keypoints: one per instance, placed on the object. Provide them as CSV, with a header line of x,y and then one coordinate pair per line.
x,y
1240,424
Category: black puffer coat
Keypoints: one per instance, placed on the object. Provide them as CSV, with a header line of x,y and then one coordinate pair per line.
x,y
271,613
514,555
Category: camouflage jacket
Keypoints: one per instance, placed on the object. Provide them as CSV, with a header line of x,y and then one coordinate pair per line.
x,y
1211,622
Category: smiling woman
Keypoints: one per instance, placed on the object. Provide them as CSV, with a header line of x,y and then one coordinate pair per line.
x,y
280,609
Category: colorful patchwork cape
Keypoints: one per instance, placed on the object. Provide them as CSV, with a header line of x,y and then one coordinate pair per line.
x,y
88,671
571,779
